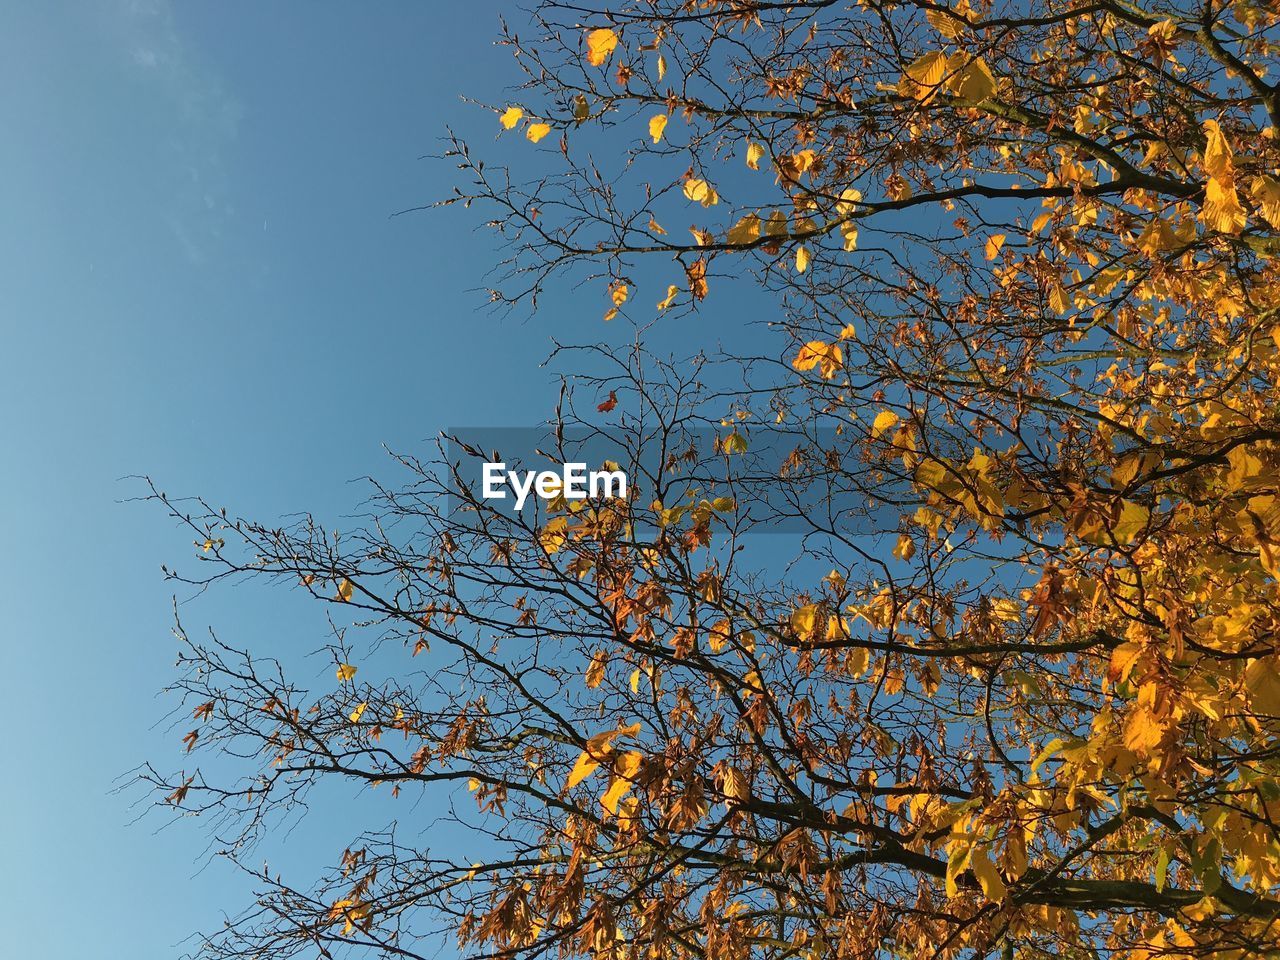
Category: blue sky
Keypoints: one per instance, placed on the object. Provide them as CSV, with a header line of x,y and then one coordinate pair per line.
x,y
201,282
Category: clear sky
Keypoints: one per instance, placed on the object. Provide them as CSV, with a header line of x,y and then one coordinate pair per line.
x,y
201,281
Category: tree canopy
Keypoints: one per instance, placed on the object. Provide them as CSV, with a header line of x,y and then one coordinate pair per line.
x,y
1020,694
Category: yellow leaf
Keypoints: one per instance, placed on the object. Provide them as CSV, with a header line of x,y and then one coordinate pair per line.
x,y
974,81
802,259
994,243
656,227
511,117
672,292
1217,158
905,548
554,534
735,785
617,790
1006,610
933,475
745,230
625,771
352,912
885,420
537,131
1266,194
1124,659
804,621
1142,733
357,713
1157,237
1133,518
957,861
662,66
849,231
657,124
1262,682
929,69
345,590
837,628
922,77
848,202
828,357
595,671
798,164
628,814
988,876
618,294
1222,210
628,764
754,153
718,636
699,191
585,766
600,45
945,23
1050,748
346,672
1058,299
1244,468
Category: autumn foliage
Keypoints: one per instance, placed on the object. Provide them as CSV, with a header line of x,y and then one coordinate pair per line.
x,y
1020,694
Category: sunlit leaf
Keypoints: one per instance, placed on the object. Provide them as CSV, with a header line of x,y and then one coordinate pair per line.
x,y
657,124
699,191
600,45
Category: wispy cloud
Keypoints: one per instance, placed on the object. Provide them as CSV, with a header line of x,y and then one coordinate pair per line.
x,y
198,117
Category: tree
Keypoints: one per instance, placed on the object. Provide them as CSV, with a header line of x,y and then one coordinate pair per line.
x,y
1025,260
